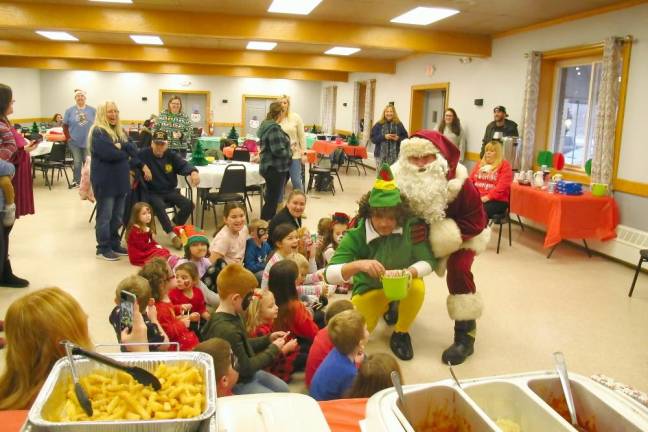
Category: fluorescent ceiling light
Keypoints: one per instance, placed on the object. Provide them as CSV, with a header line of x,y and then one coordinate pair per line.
x,y
424,15
263,46
57,35
297,7
112,1
345,51
147,40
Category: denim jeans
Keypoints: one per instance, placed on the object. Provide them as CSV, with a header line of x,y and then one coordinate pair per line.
x,y
79,155
295,177
110,213
262,382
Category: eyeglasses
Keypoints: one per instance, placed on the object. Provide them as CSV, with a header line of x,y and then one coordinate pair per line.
x,y
234,360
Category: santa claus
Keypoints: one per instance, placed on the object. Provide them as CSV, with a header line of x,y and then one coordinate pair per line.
x,y
429,174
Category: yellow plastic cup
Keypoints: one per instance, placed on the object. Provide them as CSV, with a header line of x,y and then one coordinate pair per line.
x,y
599,189
395,287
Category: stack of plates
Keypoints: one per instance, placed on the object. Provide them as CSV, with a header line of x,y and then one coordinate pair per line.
x,y
569,188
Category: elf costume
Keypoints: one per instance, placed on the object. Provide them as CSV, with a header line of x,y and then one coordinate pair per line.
x,y
437,187
395,251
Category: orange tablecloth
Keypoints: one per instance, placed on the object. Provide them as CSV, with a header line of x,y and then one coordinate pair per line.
x,y
228,152
566,217
12,421
344,415
311,155
328,147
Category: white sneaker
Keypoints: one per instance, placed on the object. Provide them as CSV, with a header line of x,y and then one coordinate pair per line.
x,y
9,216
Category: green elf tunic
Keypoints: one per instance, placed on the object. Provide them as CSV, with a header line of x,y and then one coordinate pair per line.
x,y
395,251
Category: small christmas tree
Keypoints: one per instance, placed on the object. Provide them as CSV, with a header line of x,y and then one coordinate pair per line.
x,y
353,140
233,135
198,155
314,129
34,129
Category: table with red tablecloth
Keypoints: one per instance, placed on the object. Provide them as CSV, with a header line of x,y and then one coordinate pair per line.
x,y
311,155
12,421
328,147
566,216
344,415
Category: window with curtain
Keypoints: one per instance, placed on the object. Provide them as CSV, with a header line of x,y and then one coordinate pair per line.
x,y
574,110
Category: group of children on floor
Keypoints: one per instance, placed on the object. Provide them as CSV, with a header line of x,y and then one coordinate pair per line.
x,y
271,332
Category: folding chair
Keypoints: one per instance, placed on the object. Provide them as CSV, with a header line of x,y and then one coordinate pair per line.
x,y
232,189
54,161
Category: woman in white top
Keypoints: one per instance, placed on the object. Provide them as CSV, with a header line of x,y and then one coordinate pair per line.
x,y
451,128
292,124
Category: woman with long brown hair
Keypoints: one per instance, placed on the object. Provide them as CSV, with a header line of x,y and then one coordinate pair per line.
x,y
387,134
451,128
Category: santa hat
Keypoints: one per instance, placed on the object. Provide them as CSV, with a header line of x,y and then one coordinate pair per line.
x,y
384,193
415,146
235,279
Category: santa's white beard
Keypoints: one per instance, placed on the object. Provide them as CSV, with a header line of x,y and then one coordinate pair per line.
x,y
426,188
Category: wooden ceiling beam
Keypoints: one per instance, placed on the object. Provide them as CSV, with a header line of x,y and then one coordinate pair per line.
x,y
168,68
74,50
32,16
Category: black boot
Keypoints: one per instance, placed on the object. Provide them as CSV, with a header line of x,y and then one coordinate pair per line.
x,y
391,316
464,342
401,345
10,280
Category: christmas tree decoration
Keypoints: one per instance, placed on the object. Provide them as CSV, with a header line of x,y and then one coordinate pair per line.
x,y
313,129
34,129
353,140
198,155
233,135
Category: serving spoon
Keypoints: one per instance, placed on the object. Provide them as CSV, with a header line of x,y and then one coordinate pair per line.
x,y
561,368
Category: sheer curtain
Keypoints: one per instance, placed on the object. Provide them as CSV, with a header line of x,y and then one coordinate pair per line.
x,y
355,115
606,117
530,108
329,103
368,112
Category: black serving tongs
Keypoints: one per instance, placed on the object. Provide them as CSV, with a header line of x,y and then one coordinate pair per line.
x,y
79,391
140,375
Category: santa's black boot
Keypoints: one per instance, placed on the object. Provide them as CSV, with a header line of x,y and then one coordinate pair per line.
x,y
391,316
464,343
10,280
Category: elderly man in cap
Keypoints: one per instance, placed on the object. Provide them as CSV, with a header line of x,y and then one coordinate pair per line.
x,y
161,170
499,128
77,121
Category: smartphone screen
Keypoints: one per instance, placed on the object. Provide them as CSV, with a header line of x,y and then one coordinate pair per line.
x,y
126,308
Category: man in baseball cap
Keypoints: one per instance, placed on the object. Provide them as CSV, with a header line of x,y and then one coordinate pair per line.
x,y
499,128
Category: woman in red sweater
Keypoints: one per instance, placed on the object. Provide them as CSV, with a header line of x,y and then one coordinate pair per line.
x,y
492,177
293,316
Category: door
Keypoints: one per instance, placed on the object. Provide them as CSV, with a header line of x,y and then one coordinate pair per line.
x,y
195,105
256,109
433,107
429,101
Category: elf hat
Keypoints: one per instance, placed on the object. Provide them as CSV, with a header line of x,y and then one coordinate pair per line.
x,y
190,234
384,193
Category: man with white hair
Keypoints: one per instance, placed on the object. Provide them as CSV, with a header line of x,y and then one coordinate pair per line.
x,y
429,174
77,121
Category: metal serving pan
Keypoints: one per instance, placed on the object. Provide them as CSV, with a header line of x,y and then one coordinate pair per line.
x,y
52,394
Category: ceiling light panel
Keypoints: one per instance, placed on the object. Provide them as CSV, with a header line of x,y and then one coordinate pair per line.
x,y
262,46
147,40
344,51
57,35
295,7
424,15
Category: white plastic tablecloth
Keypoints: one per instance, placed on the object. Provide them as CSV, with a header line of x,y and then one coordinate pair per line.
x,y
211,175
43,148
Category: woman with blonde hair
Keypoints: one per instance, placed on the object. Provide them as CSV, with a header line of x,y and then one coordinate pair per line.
x,y
387,134
292,124
109,175
492,177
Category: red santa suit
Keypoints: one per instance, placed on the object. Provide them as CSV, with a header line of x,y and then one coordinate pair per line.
x,y
441,193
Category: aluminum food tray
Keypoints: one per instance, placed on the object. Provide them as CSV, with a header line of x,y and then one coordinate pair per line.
x,y
52,394
522,398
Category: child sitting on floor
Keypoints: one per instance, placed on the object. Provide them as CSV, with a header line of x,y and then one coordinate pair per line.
x,y
188,293
139,286
172,318
257,248
322,344
139,236
374,375
293,316
236,287
225,364
323,226
229,243
332,237
349,334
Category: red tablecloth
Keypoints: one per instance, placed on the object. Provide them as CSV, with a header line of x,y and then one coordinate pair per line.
x,y
328,147
566,217
344,415
12,421
311,155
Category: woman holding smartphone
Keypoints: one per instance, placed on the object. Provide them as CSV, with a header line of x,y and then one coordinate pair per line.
x,y
387,135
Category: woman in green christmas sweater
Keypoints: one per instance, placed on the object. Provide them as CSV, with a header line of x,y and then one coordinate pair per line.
x,y
176,124
382,241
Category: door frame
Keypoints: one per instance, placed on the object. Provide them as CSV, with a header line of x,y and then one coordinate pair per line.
x,y
244,106
207,94
417,102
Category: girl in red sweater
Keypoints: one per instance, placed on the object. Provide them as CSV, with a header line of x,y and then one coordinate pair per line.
x,y
171,317
187,294
492,177
139,236
293,316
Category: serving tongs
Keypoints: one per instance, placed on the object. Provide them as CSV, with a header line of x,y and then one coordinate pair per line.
x,y
140,375
79,391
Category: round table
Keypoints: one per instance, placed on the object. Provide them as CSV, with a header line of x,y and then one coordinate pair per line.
x,y
211,175
43,148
